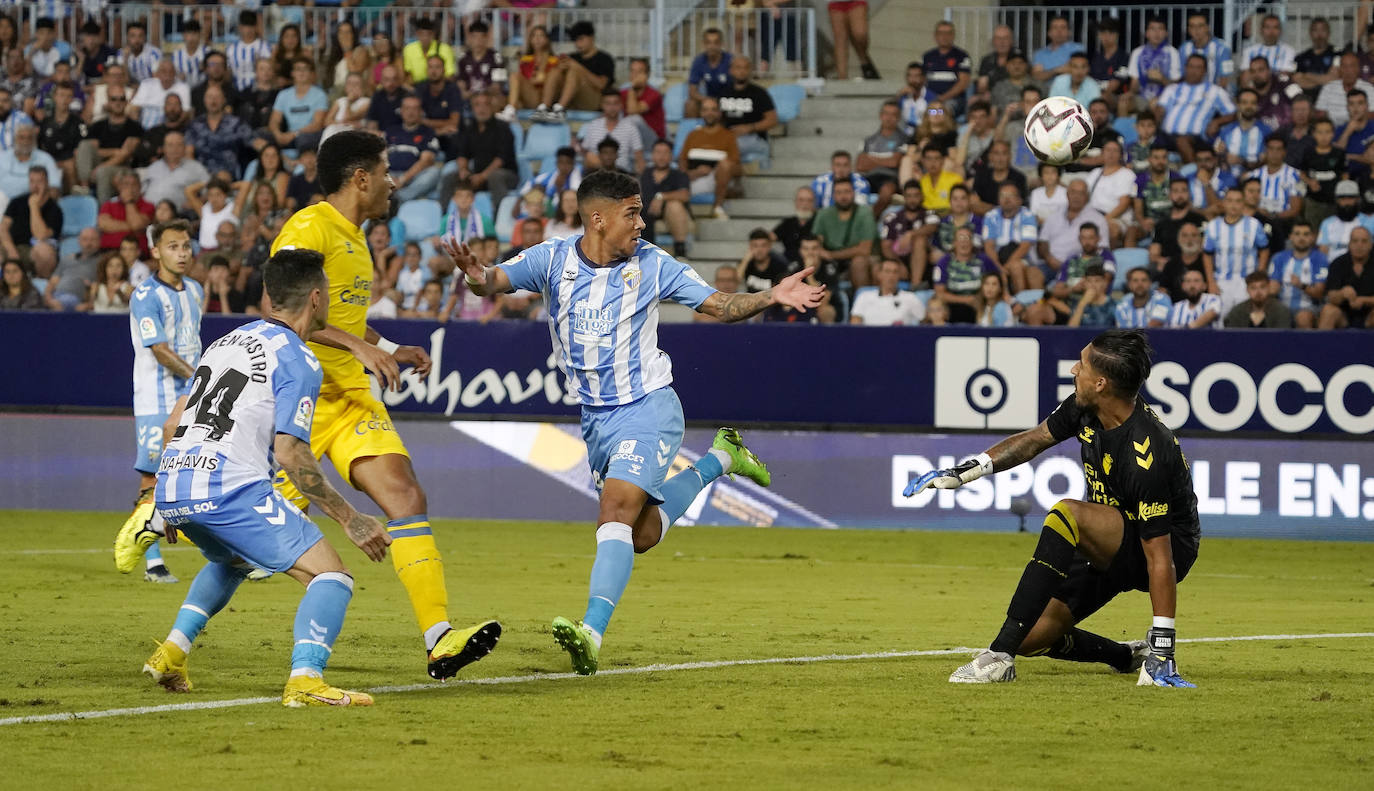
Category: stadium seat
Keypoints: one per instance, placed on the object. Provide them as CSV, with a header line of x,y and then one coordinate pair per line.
x,y
674,99
482,203
542,142
924,295
505,223
1128,258
788,100
420,218
78,211
1029,296
69,245
398,231
683,129
1125,126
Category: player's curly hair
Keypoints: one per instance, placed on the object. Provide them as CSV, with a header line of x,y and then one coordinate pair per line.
x,y
344,153
291,274
1123,357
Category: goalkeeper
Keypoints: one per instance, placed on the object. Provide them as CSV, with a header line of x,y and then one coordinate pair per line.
x,y
1140,532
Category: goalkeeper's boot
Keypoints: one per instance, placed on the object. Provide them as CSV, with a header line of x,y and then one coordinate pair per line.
x,y
742,460
575,638
167,666
160,574
1139,650
456,650
988,667
136,535
302,691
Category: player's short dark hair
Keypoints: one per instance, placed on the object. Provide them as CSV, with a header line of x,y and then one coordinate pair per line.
x,y
479,27
760,233
344,153
580,29
607,184
290,276
155,235
1123,356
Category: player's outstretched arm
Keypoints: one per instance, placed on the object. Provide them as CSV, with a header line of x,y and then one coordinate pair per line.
x,y
1014,450
792,291
379,362
304,470
482,280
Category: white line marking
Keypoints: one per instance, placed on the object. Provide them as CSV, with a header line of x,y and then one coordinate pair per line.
x,y
622,671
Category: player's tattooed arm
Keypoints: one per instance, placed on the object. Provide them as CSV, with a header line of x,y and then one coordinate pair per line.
x,y
163,353
1021,448
736,307
303,469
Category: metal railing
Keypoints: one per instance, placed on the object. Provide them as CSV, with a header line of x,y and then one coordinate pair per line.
x,y
1236,23
785,38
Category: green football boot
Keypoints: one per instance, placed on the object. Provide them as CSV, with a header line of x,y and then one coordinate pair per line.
x,y
742,460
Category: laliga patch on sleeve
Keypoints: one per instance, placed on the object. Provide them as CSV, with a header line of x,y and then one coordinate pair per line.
x,y
146,328
305,412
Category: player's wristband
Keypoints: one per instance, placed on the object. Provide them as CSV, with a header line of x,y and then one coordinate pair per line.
x,y
1161,641
975,468
471,281
387,346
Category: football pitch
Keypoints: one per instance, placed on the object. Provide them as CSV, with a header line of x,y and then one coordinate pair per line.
x,y
739,658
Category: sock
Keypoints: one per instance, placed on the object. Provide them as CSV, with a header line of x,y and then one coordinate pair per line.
x,y
1048,567
1081,646
210,591
615,558
319,618
680,490
418,564
153,557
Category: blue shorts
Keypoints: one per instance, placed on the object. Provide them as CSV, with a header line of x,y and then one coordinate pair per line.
x,y
253,522
149,434
634,442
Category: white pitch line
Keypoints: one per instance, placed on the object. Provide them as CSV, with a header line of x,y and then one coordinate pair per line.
x,y
623,671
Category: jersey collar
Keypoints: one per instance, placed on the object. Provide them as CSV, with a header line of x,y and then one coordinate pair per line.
x,y
577,246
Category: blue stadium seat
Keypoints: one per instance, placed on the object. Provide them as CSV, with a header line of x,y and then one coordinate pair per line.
x,y
398,232
505,223
1128,258
522,167
1029,296
420,219
78,211
924,295
482,203
1125,126
683,129
542,142
673,101
788,100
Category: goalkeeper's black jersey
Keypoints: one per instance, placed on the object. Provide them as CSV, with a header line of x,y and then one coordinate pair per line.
x,y
1137,467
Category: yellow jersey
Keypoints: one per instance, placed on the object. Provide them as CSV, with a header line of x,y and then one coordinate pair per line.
x,y
348,264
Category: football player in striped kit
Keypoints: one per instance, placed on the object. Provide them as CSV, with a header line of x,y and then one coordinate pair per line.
x,y
602,288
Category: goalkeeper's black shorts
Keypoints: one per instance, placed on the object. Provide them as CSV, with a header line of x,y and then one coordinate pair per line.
x,y
1088,588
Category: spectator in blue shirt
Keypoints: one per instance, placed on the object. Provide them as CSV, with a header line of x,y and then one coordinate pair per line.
x,y
298,114
710,72
1143,306
442,103
411,151
949,70
1357,133
1053,60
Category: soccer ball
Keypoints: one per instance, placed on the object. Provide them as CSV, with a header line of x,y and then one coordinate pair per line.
x,y
1058,130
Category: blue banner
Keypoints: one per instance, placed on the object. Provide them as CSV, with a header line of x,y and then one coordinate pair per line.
x,y
1281,382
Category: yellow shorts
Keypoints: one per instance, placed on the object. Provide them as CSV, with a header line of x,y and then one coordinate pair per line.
x,y
348,426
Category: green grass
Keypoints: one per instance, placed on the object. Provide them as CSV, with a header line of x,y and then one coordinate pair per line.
x,y
1270,714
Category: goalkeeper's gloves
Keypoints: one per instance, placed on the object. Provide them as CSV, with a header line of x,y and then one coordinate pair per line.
x,y
952,478
1159,669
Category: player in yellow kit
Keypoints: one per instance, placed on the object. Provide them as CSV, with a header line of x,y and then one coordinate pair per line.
x,y
350,426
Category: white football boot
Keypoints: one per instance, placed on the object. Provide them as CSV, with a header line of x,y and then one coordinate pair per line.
x,y
987,667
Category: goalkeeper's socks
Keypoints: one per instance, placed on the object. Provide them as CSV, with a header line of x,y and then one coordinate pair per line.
x,y
680,490
319,618
210,591
615,559
1049,567
1080,646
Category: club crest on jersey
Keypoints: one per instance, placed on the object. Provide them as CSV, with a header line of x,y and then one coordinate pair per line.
x,y
632,275
1107,464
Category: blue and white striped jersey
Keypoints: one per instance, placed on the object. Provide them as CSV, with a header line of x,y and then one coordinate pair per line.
x,y
551,184
258,381
604,320
1184,312
1281,57
1189,108
17,119
1220,62
159,313
1001,230
1278,188
190,65
1334,233
1156,308
241,59
824,187
142,65
1220,181
1248,144
1235,248
1310,268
